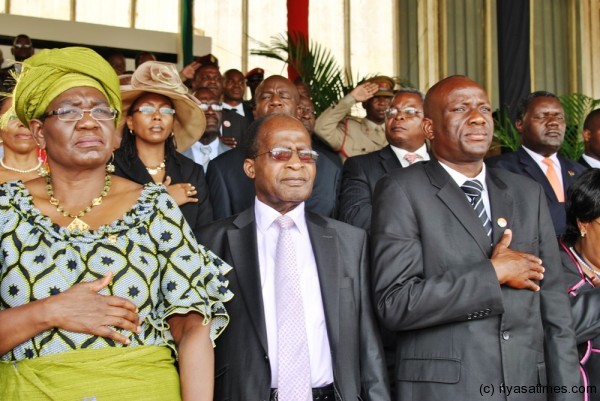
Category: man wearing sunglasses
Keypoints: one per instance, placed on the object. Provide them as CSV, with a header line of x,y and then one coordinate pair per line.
x,y
302,324
231,191
21,50
208,146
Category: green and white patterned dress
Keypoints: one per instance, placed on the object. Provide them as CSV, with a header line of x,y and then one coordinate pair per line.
x,y
156,261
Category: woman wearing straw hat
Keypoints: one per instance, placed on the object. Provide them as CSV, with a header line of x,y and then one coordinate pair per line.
x,y
20,160
102,283
159,120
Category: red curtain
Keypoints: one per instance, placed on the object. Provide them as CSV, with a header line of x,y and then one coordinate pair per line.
x,y
297,21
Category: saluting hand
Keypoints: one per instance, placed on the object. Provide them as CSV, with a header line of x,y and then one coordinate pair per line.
x,y
364,91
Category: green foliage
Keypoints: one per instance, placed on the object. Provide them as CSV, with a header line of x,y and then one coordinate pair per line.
x,y
505,133
315,64
576,106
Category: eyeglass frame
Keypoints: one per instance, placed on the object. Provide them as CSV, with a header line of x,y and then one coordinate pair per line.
x,y
402,112
210,106
314,155
61,111
156,109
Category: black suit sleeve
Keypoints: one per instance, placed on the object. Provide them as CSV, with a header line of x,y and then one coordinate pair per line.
x,y
219,194
374,380
355,197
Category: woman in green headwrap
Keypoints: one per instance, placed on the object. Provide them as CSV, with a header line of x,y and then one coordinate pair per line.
x,y
102,283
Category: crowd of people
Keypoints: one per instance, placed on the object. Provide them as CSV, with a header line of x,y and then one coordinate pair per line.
x,y
164,238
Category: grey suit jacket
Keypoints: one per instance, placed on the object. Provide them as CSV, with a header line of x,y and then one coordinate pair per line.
x,y
434,284
242,369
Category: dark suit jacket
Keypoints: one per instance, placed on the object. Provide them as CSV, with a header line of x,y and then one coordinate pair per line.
x,y
434,284
521,163
234,125
242,369
359,176
180,169
231,191
583,163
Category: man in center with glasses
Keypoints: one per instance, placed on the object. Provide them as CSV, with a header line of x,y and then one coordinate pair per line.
x,y
406,140
302,324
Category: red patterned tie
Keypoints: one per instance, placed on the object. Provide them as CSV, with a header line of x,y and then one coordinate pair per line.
x,y
412,158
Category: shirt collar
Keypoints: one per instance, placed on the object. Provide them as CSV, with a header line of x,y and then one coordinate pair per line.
x,y
591,161
400,153
539,158
460,178
265,216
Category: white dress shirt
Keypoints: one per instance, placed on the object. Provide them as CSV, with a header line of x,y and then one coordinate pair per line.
x,y
199,149
400,153
594,163
460,179
267,233
238,109
539,161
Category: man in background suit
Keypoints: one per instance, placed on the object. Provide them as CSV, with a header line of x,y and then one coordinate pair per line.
x,y
338,340
541,125
208,146
406,140
466,267
591,140
231,191
234,89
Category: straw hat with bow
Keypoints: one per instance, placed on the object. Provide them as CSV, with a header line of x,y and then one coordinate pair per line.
x,y
163,79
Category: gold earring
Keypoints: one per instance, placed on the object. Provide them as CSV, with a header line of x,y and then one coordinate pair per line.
x,y
110,167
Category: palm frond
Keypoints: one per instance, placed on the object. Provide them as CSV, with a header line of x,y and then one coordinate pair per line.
x,y
505,133
576,107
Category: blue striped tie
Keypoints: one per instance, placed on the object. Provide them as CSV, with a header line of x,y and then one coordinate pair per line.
x,y
473,189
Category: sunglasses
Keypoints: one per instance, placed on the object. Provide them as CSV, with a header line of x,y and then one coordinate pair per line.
x,y
285,154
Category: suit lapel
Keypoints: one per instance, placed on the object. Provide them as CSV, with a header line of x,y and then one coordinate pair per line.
x,y
389,161
454,198
534,171
568,175
501,204
245,259
324,241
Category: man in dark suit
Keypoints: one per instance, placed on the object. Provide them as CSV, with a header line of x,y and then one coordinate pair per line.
x,y
591,140
234,88
406,140
334,330
477,302
231,191
541,125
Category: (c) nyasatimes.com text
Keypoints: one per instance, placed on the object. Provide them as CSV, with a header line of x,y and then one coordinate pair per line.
x,y
491,389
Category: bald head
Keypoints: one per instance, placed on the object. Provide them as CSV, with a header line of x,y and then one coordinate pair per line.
x,y
276,94
458,121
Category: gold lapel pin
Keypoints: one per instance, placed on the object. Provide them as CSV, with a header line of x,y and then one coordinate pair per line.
x,y
501,222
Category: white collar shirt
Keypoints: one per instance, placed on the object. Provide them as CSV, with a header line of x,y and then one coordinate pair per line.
x,y
238,109
267,233
400,153
460,179
539,161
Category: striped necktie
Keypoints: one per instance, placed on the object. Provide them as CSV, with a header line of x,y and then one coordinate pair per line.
x,y
473,190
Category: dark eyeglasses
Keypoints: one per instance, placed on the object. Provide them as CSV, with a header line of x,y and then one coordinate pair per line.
x,y
148,110
285,154
407,112
76,113
213,107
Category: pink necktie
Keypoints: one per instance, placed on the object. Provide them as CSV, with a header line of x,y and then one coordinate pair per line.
x,y
412,158
294,361
553,179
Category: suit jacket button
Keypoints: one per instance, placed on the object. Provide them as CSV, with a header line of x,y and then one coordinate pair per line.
x,y
266,357
505,335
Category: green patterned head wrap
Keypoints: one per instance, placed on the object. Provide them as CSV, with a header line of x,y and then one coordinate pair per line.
x,y
50,72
